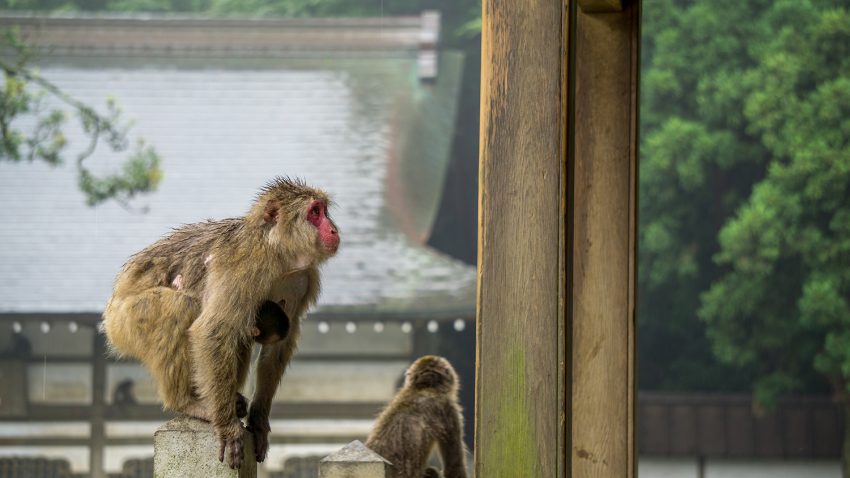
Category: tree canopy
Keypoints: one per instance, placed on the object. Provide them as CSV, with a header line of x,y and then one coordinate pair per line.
x,y
744,204
780,302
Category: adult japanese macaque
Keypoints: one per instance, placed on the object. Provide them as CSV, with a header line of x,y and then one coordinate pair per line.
x,y
186,306
425,413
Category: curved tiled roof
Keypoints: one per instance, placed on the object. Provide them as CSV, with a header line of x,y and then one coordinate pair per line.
x,y
224,127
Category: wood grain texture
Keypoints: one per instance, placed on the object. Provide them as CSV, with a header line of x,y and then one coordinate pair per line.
x,y
600,6
519,413
603,308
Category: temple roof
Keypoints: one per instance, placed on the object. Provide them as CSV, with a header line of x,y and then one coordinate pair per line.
x,y
358,121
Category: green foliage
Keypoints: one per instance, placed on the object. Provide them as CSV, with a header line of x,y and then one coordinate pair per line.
x,y
782,298
745,194
698,162
24,96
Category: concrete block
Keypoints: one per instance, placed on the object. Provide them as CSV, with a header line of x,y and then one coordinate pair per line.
x,y
188,448
354,461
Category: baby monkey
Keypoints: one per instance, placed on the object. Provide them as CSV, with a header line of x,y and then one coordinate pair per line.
x,y
425,413
271,325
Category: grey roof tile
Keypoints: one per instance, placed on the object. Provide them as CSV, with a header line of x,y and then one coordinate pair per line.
x,y
223,132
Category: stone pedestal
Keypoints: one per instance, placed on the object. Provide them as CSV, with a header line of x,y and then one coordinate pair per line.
x,y
354,461
188,448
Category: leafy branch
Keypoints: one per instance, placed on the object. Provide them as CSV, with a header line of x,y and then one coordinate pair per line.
x,y
23,95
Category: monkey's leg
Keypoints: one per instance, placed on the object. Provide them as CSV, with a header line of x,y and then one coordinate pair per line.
x,y
220,340
152,326
199,409
450,443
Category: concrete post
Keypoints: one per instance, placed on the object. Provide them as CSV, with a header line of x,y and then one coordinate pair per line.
x,y
354,461
188,448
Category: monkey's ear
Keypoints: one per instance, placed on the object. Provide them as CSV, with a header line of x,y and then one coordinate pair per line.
x,y
255,331
271,211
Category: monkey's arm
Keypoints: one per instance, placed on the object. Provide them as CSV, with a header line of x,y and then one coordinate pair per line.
x,y
221,345
450,441
270,367
300,292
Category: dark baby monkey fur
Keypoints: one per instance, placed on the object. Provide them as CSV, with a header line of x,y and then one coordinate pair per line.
x,y
425,413
186,306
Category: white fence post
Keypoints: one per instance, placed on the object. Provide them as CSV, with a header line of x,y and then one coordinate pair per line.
x,y
188,448
354,461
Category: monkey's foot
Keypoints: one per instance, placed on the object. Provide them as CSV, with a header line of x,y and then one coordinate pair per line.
x,y
231,444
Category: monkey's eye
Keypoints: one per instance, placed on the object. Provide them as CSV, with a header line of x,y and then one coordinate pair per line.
x,y
317,210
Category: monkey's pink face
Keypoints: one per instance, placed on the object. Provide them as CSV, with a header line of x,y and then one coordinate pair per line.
x,y
317,214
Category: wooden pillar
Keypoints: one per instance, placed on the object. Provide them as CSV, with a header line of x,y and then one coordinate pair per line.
x,y
519,415
555,358
604,239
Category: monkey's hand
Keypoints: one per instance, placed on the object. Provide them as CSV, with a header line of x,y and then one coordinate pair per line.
x,y
230,440
258,425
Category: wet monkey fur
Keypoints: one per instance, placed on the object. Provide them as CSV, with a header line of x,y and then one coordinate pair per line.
x,y
425,413
271,325
186,306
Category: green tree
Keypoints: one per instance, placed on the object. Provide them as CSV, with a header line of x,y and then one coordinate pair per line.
x,y
781,302
745,197
742,190
24,96
698,162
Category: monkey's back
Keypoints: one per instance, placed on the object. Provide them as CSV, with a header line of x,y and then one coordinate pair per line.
x,y
136,318
185,251
404,433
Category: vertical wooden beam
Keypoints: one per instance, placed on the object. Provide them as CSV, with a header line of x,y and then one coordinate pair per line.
x,y
520,411
604,222
555,389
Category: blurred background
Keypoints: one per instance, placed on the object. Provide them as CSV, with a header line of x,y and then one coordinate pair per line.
x,y
122,119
